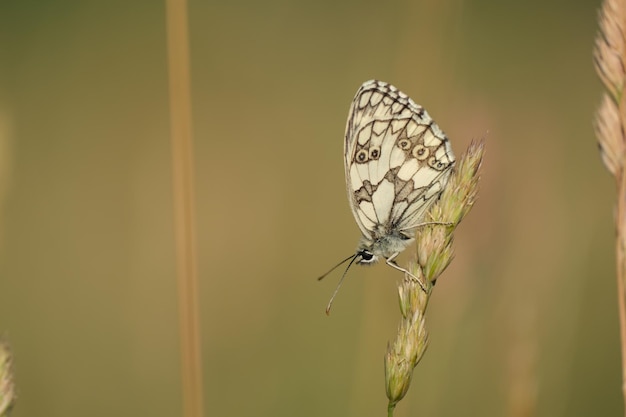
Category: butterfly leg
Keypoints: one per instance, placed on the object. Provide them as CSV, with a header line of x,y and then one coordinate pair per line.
x,y
447,224
390,261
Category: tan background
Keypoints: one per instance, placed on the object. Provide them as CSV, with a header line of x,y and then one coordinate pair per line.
x,y
524,322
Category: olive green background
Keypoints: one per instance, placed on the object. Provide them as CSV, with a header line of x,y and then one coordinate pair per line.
x,y
523,323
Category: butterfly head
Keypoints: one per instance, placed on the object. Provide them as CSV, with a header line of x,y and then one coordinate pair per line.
x,y
384,245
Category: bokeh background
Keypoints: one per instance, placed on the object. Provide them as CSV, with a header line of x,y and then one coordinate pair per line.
x,y
523,323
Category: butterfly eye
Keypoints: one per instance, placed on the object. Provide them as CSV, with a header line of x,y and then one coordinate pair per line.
x,y
436,164
374,152
420,152
404,144
361,156
366,256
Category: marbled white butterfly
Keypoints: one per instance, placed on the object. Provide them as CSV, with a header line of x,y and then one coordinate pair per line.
x,y
397,163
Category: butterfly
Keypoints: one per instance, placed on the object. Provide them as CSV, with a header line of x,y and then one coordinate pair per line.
x,y
397,163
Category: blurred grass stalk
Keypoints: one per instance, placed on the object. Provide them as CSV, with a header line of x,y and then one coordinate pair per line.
x,y
182,166
609,60
434,254
7,387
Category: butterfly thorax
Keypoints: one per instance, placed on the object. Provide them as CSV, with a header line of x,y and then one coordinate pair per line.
x,y
371,250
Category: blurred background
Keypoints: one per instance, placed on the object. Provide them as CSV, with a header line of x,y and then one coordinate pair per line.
x,y
523,323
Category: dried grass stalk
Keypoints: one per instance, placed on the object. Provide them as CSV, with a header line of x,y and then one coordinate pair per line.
x,y
434,254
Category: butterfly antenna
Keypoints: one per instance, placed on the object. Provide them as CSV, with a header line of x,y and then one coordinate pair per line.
x,y
330,303
335,267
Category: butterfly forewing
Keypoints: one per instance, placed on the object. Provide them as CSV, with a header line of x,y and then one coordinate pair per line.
x,y
397,160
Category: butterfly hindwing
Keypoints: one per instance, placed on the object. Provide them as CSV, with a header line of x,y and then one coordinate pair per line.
x,y
397,160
